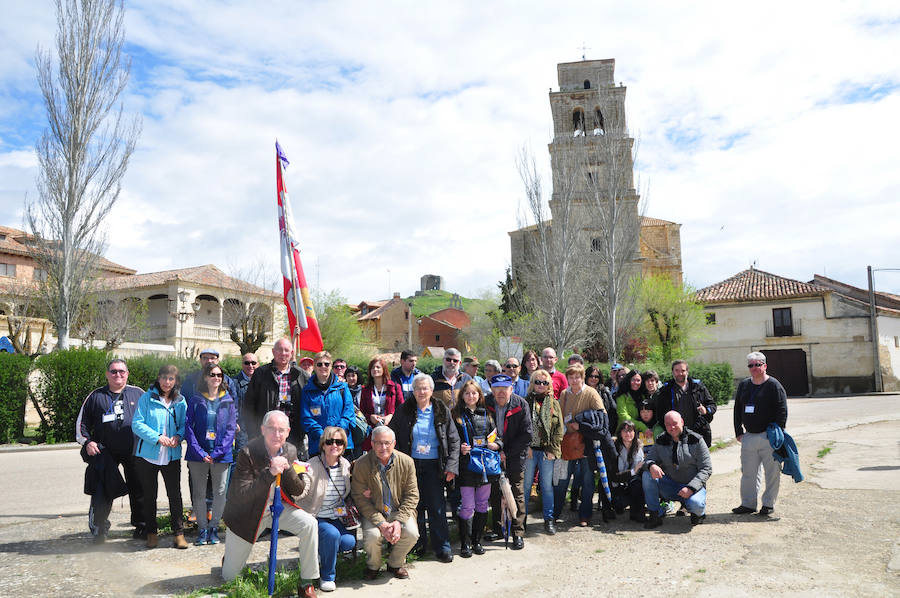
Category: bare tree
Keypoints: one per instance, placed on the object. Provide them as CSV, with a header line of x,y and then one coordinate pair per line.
x,y
23,317
112,322
553,269
248,309
84,152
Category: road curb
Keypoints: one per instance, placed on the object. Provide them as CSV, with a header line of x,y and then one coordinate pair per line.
x,y
24,448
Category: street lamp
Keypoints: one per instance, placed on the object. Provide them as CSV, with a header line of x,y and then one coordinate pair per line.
x,y
181,310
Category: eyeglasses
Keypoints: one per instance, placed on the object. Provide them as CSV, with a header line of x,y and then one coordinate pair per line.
x,y
118,372
593,376
511,366
541,383
251,362
755,365
323,364
333,441
219,375
451,360
278,430
340,366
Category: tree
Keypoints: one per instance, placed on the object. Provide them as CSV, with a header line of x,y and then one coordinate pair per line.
x,y
83,154
112,322
341,333
248,311
23,317
553,268
673,320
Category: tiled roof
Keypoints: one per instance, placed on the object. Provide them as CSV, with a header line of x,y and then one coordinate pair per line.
x,y
16,242
376,314
756,285
207,275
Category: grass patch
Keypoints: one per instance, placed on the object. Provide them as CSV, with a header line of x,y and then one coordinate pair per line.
x,y
432,301
701,570
599,550
721,444
825,450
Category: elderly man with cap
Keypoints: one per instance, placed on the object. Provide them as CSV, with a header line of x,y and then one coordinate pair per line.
x,y
512,418
470,366
511,368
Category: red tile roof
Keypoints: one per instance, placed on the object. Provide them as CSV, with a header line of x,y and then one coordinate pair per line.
x,y
17,242
376,313
207,275
756,285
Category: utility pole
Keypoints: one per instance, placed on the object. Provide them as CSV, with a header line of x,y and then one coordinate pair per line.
x,y
873,332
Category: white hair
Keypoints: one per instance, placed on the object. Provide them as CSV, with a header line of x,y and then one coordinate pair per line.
x,y
275,413
423,378
383,430
756,356
451,352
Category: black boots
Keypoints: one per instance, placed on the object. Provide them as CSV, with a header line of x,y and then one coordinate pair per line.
x,y
465,537
477,522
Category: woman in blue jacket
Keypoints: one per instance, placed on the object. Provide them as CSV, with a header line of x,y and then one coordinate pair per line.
x,y
326,402
211,422
158,425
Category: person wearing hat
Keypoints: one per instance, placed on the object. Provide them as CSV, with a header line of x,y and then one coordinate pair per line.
x,y
514,434
614,373
307,364
470,366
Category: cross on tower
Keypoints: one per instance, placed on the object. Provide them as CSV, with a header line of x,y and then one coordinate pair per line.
x,y
584,50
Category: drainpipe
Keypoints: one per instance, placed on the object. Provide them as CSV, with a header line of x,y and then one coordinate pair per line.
x,y
873,331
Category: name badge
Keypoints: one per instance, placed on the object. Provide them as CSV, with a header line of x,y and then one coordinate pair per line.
x,y
423,449
568,418
316,411
340,511
117,409
479,441
210,435
109,417
387,510
749,408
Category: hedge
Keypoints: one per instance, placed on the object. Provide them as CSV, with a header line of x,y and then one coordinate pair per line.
x,y
718,378
67,378
14,370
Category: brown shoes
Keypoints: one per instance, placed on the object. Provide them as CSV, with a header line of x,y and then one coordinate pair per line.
x,y
370,574
152,540
179,542
399,572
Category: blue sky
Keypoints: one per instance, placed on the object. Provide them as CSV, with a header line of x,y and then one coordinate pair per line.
x,y
769,132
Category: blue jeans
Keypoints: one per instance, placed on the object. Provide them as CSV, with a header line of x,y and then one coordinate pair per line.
x,y
667,489
430,480
544,467
333,538
587,488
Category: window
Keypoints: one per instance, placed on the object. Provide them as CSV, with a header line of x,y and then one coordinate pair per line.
x,y
8,270
39,274
598,121
437,337
578,119
711,319
596,244
783,324
406,315
587,84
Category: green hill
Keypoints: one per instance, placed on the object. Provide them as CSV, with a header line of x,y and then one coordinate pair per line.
x,y
432,301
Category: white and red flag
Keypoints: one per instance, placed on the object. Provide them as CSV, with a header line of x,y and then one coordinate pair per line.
x,y
301,317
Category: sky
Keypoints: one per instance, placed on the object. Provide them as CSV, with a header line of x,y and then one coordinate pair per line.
x,y
769,131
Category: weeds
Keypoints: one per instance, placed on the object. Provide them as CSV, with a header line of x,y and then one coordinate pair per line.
x,y
825,450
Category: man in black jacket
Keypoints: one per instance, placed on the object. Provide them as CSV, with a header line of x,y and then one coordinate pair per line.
x,y
689,397
104,425
276,385
513,420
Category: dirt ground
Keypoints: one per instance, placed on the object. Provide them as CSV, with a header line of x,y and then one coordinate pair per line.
x,y
835,534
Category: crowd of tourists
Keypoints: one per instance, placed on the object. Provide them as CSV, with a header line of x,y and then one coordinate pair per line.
x,y
383,455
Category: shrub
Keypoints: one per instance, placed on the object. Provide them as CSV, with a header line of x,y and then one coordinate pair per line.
x,y
142,370
718,378
67,378
14,370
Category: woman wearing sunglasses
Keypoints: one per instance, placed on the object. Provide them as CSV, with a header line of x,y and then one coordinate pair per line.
x,y
209,432
327,501
546,439
326,402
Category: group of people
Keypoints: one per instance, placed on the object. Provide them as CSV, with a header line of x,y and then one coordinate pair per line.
x,y
418,442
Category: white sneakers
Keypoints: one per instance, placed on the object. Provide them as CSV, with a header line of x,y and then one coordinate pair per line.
x,y
327,586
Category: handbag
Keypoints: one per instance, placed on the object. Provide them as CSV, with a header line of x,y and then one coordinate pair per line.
x,y
350,518
572,446
481,459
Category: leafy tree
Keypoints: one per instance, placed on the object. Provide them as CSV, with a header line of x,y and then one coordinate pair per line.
x,y
673,320
341,334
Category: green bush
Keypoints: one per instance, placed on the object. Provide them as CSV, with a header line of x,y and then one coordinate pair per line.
x,y
718,378
14,370
142,370
67,378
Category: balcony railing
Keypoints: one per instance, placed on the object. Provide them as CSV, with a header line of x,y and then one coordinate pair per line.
x,y
773,331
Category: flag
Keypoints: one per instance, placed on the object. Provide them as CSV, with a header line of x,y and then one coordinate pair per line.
x,y
301,317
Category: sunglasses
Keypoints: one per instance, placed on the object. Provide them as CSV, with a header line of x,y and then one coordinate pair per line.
x,y
755,365
511,366
118,372
219,375
541,383
251,362
340,366
593,376
333,441
451,360
323,364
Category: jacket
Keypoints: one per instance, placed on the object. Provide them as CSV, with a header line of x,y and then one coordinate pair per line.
x,y
397,377
323,407
466,477
102,470
627,408
448,439
262,396
195,429
546,424
515,436
153,419
694,465
785,451
401,479
114,434
668,398
248,490
594,427
612,409
189,386
318,484
393,398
